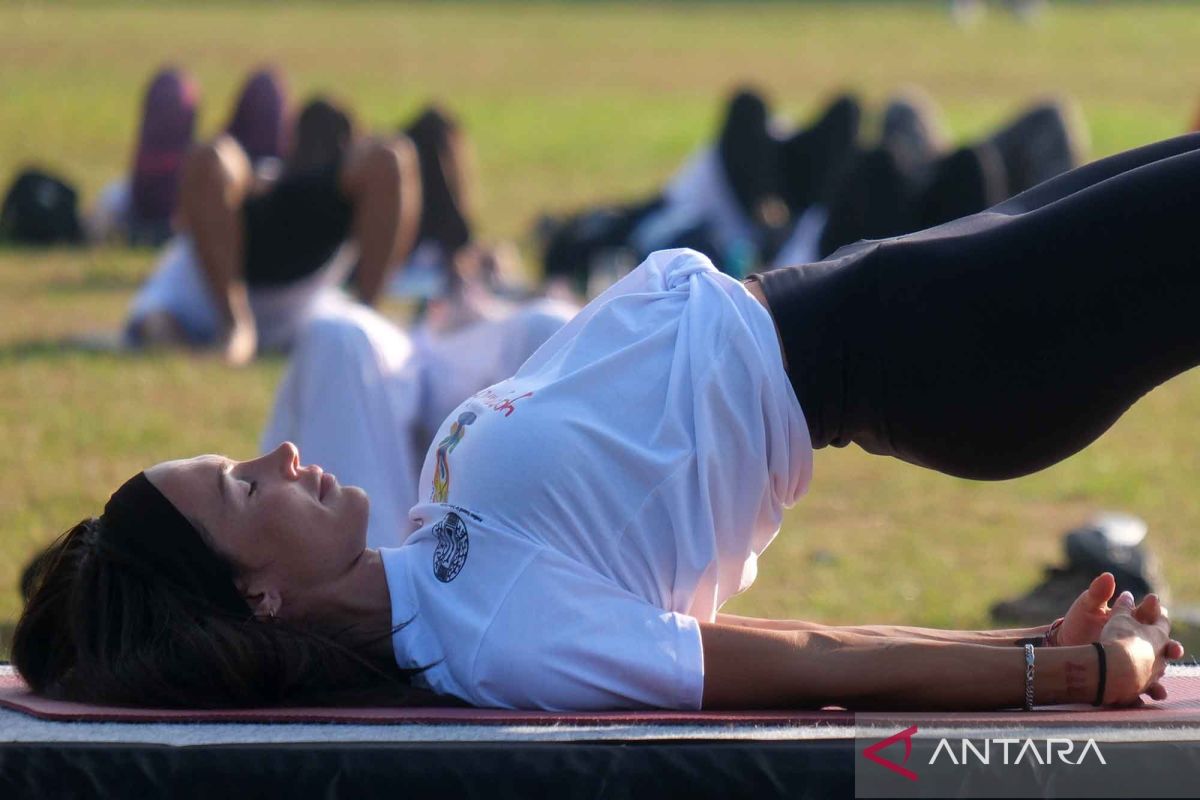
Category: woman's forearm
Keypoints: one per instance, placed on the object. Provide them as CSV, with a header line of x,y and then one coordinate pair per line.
x,y
999,638
1002,637
749,667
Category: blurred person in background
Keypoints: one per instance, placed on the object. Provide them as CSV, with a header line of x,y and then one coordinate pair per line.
x,y
259,251
913,179
446,160
140,209
733,199
971,12
765,195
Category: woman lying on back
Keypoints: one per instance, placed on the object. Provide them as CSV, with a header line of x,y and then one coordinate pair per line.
x,y
581,523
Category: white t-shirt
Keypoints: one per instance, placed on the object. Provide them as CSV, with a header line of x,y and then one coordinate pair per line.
x,y
422,273
577,520
178,286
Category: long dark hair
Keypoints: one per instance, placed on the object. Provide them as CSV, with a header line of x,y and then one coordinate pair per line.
x,y
322,136
99,627
446,191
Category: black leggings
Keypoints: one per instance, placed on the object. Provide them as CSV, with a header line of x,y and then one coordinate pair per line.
x,y
1001,343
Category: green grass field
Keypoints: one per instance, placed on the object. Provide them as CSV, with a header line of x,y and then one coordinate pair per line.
x,y
570,104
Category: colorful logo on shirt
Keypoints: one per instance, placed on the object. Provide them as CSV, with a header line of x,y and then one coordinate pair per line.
x,y
452,545
441,467
504,405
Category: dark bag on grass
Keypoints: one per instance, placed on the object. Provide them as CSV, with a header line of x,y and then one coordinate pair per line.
x,y
593,240
40,209
572,246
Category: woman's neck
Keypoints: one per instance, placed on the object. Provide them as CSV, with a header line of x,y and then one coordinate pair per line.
x,y
359,603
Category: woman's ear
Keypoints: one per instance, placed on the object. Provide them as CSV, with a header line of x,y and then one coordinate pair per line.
x,y
264,601
265,605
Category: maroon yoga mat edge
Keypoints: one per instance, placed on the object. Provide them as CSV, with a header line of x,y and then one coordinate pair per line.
x,y
1181,709
15,696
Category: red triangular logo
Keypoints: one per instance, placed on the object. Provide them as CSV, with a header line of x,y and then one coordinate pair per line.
x,y
906,734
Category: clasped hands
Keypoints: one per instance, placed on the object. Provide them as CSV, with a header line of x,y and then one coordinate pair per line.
x,y
1136,639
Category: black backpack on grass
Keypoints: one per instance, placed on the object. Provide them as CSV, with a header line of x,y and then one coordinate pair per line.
x,y
40,209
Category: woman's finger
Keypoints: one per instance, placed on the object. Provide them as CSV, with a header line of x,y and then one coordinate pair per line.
x,y
1174,650
1156,691
1123,604
1148,610
1101,591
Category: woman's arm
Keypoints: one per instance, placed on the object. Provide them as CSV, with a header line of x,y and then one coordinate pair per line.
x,y
748,667
1008,636
1081,624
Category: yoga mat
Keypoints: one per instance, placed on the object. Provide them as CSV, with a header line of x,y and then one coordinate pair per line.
x,y
1182,708
15,695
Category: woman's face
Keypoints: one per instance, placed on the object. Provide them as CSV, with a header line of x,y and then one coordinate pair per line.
x,y
291,532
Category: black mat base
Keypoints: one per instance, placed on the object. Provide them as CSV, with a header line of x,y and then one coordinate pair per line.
x,y
404,771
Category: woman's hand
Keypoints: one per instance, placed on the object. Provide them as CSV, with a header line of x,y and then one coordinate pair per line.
x,y
1090,612
239,342
1137,645
1087,615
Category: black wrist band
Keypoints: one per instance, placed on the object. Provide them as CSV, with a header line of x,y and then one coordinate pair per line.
x,y
1103,673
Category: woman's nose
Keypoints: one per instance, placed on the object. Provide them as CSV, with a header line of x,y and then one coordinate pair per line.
x,y
287,456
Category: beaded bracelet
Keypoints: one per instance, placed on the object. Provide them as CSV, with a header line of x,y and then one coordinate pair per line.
x,y
1047,639
1050,637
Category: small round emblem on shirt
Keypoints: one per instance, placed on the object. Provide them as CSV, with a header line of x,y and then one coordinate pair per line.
x,y
451,552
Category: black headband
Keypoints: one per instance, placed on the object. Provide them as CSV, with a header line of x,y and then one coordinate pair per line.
x,y
143,529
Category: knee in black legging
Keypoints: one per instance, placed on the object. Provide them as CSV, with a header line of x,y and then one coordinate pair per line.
x,y
826,314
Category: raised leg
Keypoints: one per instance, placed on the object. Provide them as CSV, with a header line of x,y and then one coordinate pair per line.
x,y
1001,343
216,180
382,182
447,174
